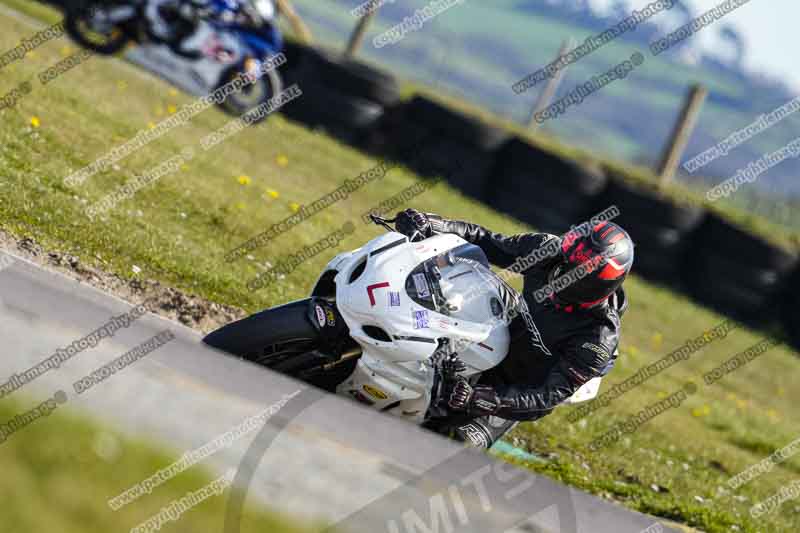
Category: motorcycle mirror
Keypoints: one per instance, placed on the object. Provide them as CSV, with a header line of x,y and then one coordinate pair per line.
x,y
385,222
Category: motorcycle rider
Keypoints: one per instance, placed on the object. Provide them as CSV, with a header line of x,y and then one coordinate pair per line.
x,y
174,21
558,342
167,19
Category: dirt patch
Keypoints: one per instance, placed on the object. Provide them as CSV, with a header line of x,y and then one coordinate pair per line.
x,y
192,311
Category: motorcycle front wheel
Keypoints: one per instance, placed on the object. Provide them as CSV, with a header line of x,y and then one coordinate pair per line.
x,y
90,26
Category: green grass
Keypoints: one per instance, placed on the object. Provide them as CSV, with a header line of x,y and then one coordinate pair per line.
x,y
178,230
60,471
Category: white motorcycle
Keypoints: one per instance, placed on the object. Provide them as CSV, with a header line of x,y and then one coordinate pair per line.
x,y
383,322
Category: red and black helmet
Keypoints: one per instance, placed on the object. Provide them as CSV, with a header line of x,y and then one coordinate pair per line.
x,y
604,254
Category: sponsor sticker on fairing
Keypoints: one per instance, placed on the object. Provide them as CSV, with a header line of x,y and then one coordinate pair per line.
x,y
375,392
421,284
421,248
320,315
421,319
394,299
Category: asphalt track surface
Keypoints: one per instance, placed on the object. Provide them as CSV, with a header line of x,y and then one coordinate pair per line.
x,y
320,457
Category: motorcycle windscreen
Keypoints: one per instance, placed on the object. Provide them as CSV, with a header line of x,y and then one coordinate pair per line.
x,y
459,284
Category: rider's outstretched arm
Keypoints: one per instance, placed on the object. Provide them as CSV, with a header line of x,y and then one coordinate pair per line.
x,y
501,250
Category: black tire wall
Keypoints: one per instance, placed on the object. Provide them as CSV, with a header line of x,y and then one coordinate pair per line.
x,y
544,190
660,229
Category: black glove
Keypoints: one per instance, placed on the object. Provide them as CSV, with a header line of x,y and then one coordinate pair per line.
x,y
475,401
411,222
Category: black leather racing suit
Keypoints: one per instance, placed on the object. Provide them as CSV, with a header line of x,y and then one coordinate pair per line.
x,y
554,350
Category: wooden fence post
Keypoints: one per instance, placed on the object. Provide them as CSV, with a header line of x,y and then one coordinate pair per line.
x,y
551,87
358,34
299,27
681,133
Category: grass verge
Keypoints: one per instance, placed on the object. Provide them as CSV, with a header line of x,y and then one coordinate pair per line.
x,y
59,472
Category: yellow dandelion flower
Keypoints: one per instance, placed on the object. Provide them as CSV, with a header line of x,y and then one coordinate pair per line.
x,y
35,122
243,180
173,92
697,412
151,125
171,109
240,206
294,206
657,339
741,404
66,50
282,160
272,193
184,167
122,85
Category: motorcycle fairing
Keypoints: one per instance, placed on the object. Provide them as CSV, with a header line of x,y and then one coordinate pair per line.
x,y
397,334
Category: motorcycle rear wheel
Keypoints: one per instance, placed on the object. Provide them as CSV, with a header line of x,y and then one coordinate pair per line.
x,y
252,95
82,28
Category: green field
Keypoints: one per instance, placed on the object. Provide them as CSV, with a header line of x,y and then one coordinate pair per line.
x,y
178,229
59,472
